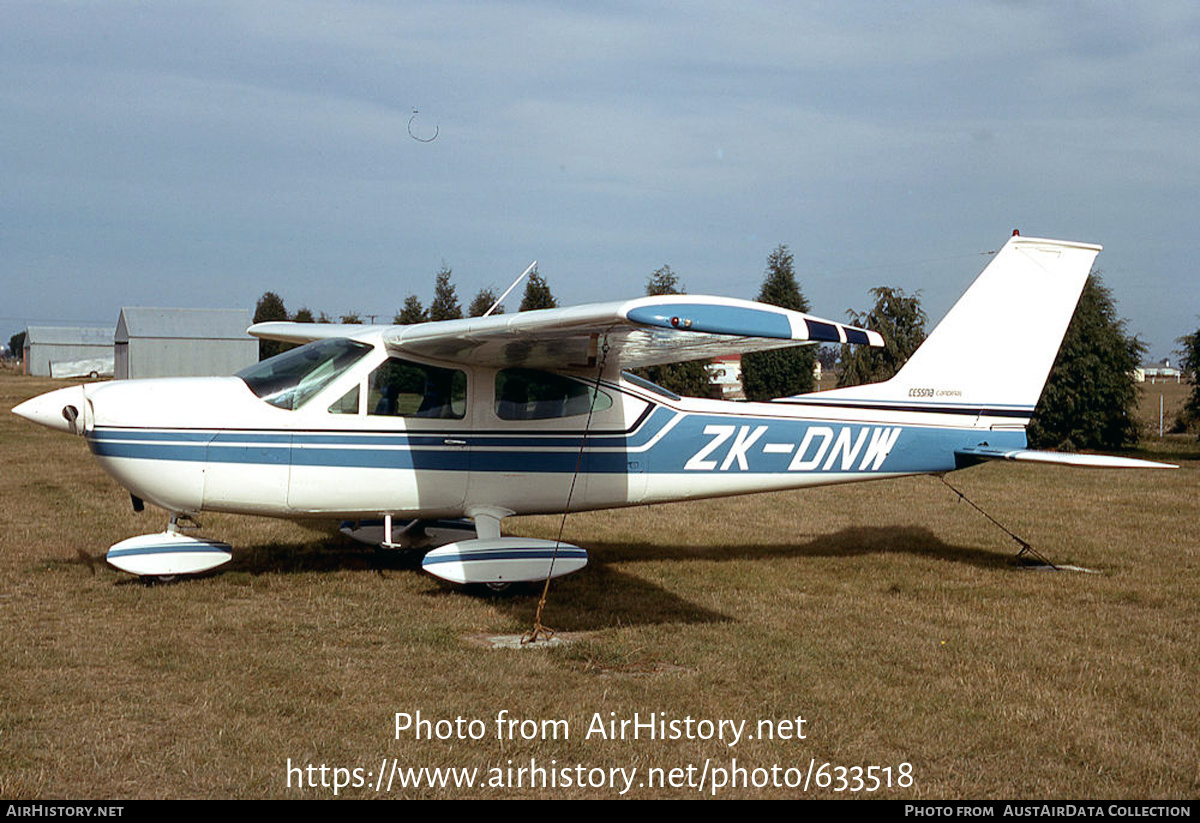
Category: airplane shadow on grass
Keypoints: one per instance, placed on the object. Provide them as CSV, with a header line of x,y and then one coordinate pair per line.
x,y
604,595
337,553
600,597
852,542
608,592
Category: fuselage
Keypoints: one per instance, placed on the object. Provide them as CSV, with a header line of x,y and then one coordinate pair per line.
x,y
362,434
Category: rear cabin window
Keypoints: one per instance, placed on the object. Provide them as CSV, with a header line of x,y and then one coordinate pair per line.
x,y
525,394
642,382
401,388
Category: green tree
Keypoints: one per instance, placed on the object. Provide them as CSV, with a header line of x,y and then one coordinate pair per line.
x,y
690,379
16,346
353,318
664,281
412,312
445,302
537,294
1189,416
270,307
482,302
304,315
901,320
779,372
1090,397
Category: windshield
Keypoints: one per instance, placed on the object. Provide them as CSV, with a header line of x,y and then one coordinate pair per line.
x,y
288,380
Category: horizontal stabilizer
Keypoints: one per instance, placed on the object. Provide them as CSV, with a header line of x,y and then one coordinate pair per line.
x,y
975,454
504,560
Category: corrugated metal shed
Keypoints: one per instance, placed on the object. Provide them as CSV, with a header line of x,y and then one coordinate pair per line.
x,y
156,342
54,344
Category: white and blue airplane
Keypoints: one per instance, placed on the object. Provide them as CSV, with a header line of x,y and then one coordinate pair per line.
x,y
444,429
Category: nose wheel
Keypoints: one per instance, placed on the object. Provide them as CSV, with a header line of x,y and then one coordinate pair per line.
x,y
167,555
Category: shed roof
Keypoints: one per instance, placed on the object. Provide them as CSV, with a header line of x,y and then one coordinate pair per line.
x,y
199,324
68,336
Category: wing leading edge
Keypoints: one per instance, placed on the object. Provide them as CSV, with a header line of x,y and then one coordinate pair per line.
x,y
646,331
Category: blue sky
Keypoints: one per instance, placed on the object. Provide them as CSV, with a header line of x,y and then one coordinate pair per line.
x,y
199,154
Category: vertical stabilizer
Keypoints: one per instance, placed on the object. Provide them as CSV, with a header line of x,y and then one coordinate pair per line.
x,y
994,349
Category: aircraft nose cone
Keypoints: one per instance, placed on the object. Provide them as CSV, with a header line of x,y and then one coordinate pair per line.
x,y
61,409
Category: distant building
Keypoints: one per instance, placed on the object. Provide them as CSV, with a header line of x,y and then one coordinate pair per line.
x,y
46,345
1162,372
183,342
725,372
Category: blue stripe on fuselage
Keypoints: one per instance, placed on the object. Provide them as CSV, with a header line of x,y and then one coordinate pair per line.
x,y
686,444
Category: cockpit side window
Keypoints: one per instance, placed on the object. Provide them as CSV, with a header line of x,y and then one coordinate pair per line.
x,y
288,380
346,404
525,394
401,388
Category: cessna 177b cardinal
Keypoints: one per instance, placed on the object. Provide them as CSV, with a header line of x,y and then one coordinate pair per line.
x,y
536,412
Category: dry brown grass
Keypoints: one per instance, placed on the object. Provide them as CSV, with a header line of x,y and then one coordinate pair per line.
x,y
1167,398
888,614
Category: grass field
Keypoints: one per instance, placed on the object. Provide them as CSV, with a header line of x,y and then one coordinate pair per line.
x,y
890,616
1161,403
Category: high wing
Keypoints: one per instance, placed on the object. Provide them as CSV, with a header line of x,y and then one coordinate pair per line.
x,y
646,331
289,332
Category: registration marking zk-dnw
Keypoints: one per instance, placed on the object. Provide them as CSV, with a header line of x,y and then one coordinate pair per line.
x,y
822,448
